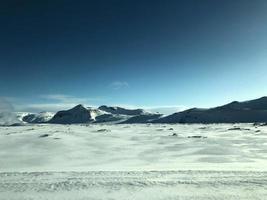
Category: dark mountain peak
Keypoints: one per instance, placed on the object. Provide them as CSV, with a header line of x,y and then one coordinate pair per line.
x,y
234,102
77,114
78,107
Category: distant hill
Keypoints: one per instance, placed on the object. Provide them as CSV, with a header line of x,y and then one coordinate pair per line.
x,y
235,112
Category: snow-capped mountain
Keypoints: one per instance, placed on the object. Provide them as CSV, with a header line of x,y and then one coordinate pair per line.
x,y
235,112
121,111
41,117
81,114
21,115
103,114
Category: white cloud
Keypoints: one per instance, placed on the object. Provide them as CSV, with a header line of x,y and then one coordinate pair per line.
x,y
116,85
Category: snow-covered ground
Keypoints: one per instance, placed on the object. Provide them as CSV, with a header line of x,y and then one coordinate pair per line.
x,y
163,185
142,161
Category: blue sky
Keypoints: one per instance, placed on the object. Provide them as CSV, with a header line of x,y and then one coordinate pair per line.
x,y
151,54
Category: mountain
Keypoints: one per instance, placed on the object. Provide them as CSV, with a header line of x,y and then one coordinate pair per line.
x,y
103,114
126,116
234,112
77,114
21,115
121,111
41,117
81,114
256,104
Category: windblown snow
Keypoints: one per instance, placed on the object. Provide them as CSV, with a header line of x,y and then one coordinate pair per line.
x,y
7,116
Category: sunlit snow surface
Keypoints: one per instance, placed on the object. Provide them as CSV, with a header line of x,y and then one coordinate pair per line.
x,y
226,161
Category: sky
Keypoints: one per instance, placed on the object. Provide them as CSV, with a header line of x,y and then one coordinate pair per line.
x,y
167,54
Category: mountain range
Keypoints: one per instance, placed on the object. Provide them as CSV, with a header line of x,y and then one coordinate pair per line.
x,y
234,112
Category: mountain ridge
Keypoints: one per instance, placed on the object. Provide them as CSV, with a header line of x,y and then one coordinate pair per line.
x,y
234,112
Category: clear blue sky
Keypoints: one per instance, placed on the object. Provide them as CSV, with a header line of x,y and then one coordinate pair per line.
x,y
131,52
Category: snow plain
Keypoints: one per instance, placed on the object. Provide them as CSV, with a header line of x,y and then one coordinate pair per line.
x,y
137,161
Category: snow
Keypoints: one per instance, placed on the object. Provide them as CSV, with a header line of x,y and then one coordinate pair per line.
x,y
133,147
134,185
136,161
20,115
